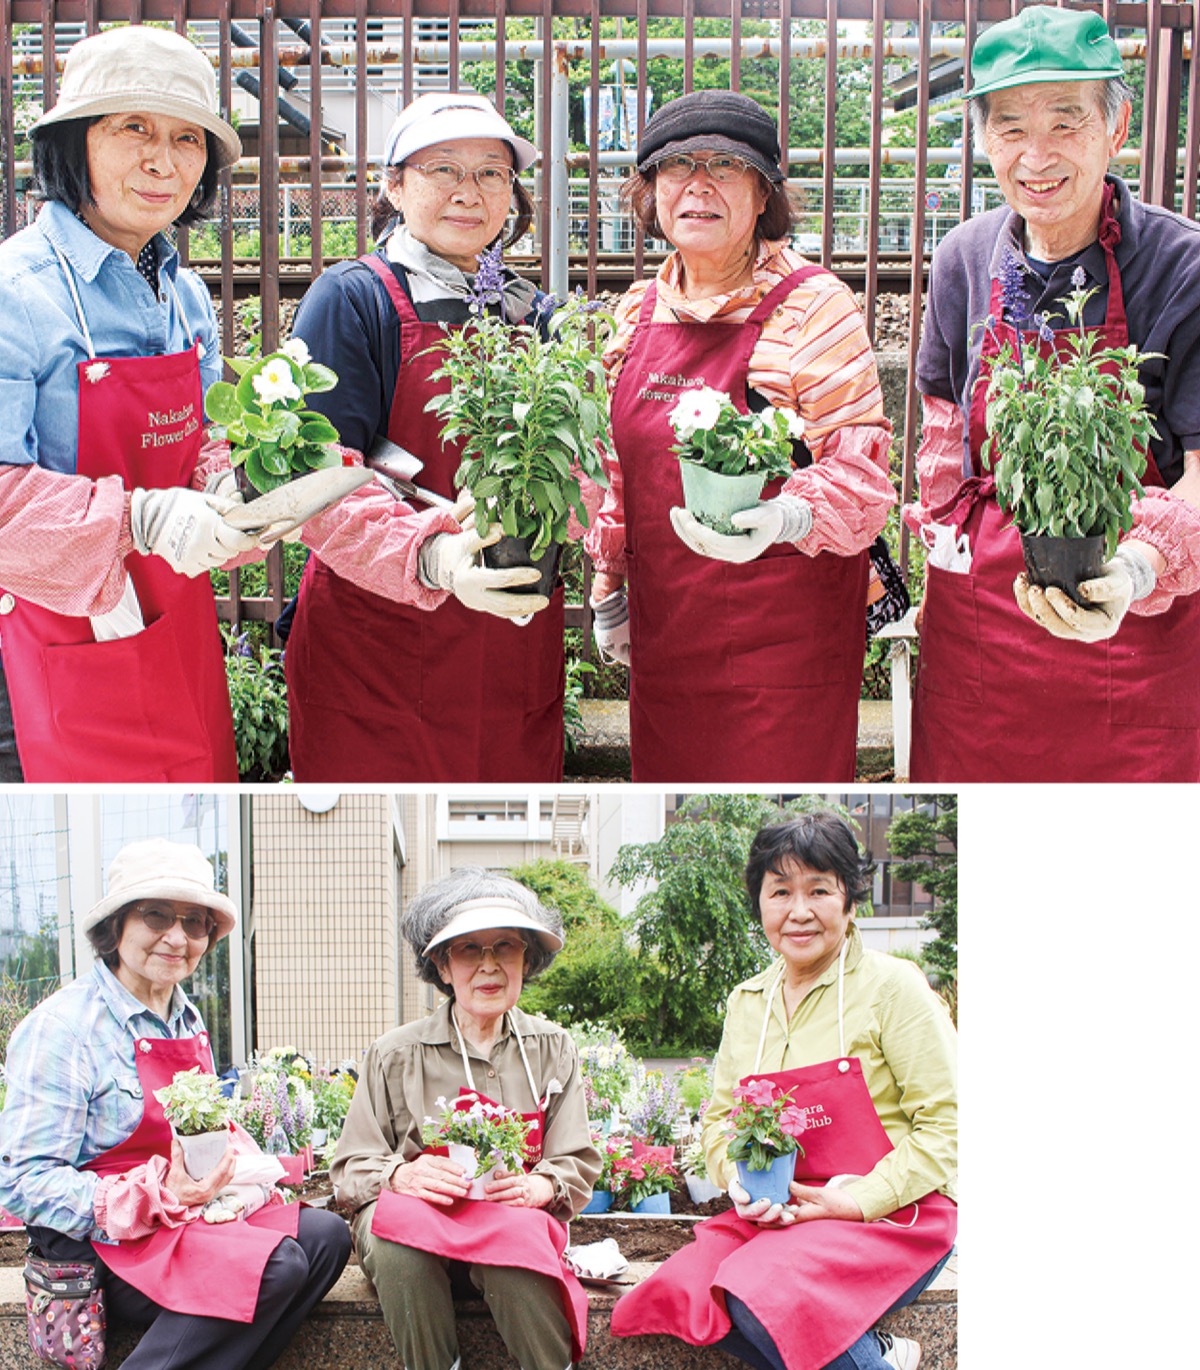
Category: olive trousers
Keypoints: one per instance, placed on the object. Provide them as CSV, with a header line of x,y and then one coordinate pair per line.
x,y
416,1292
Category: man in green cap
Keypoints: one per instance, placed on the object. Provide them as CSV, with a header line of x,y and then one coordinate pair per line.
x,y
1015,682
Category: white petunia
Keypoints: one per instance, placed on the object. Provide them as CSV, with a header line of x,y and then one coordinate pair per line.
x,y
795,424
275,382
696,411
297,349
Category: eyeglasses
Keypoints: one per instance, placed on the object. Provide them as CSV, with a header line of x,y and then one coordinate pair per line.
x,y
722,168
197,927
492,180
468,955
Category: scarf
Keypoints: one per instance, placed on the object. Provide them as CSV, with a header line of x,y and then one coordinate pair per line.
x,y
432,277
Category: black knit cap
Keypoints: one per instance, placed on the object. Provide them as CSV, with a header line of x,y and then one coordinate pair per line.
x,y
712,121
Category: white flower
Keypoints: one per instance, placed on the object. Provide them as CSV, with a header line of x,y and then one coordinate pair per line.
x,y
297,349
696,410
275,382
795,424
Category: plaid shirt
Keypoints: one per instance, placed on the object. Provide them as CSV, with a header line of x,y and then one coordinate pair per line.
x,y
73,1093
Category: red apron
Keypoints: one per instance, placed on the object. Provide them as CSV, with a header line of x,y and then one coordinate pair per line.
x,y
474,1230
998,698
740,672
815,1286
154,706
175,1266
381,691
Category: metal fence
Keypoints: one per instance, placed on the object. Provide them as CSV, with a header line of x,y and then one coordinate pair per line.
x,y
582,74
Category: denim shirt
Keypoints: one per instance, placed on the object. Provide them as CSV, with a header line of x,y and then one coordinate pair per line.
x,y
41,339
73,1094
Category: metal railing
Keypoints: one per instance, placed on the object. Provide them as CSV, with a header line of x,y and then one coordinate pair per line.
x,y
375,55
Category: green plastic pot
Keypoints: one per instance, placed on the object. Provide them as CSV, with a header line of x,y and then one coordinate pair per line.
x,y
713,497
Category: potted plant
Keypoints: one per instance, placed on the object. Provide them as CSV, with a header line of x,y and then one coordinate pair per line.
x,y
483,1138
654,1113
275,443
278,1111
529,404
765,1127
643,1184
611,1150
608,1070
695,1174
1067,432
332,1092
725,456
199,1116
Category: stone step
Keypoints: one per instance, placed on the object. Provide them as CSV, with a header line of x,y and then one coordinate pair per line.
x,y
346,1332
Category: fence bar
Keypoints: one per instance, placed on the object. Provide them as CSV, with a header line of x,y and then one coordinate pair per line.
x,y
593,144
8,130
315,122
268,177
225,94
1191,170
875,171
829,132
968,165
361,212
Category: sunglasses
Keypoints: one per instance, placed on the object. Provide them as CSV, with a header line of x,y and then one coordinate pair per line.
x,y
471,954
197,927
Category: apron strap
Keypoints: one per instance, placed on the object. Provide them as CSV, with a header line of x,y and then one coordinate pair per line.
x,y
512,1027
79,314
841,998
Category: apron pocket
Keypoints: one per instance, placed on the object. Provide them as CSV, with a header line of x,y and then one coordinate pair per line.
x,y
124,710
1154,669
949,664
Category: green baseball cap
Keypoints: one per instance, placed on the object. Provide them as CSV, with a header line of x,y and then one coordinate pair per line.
x,y
1042,44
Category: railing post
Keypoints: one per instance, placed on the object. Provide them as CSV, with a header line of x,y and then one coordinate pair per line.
x,y
556,175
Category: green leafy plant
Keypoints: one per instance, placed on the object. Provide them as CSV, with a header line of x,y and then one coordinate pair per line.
x,y
693,1160
635,1178
763,1124
654,1111
193,1103
608,1069
498,1135
574,730
611,1149
1067,425
258,697
270,432
712,432
529,404
332,1092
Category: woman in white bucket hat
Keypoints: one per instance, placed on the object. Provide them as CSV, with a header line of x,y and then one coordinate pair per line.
x,y
404,663
110,642
87,1157
477,937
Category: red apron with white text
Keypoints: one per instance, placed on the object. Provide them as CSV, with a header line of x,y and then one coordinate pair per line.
x,y
175,1266
474,1230
739,672
998,698
382,691
815,1286
154,706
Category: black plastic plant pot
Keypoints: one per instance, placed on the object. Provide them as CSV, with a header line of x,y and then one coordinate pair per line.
x,y
1063,562
249,490
515,552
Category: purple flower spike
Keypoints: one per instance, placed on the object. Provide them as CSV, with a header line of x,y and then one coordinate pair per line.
x,y
1013,295
1079,278
1044,331
489,281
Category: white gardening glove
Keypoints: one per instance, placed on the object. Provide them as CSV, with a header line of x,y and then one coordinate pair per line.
x,y
597,1260
185,528
451,562
224,485
1128,576
782,519
611,623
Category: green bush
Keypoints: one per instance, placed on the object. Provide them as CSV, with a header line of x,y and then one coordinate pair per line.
x,y
258,696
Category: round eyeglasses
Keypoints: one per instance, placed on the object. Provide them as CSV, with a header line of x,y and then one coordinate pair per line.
x,y
470,954
492,180
197,927
722,168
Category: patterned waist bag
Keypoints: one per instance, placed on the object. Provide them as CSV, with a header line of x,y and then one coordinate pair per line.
x,y
64,1310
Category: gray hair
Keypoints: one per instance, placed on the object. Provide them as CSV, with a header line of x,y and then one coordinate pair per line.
x,y
438,903
1114,94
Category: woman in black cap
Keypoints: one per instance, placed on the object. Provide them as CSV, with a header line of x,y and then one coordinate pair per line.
x,y
746,650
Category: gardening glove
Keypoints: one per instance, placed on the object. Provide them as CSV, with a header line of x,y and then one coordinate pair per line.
x,y
597,1260
782,519
450,561
1128,576
223,484
611,621
185,528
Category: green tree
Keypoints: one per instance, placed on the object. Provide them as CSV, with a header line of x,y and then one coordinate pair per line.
x,y
696,928
925,839
595,977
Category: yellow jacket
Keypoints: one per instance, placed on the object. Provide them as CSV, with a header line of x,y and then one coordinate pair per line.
x,y
901,1033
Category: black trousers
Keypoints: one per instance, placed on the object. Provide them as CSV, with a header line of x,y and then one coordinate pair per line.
x,y
10,762
298,1275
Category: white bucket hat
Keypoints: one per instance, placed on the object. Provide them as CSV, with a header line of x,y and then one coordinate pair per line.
x,y
158,869
473,915
445,115
135,70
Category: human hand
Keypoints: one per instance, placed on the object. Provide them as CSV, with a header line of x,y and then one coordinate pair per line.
x,y
451,561
761,1211
195,1193
831,1201
611,622
1128,576
223,484
520,1189
185,528
436,1179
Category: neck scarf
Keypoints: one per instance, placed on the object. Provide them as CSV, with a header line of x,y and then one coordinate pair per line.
x,y
434,278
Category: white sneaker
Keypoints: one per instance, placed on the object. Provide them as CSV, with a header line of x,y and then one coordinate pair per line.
x,y
899,1352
